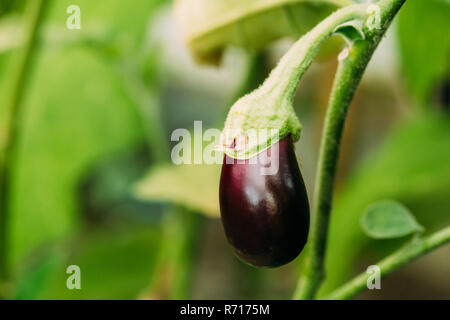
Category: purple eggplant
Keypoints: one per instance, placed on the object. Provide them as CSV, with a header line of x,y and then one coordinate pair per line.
x,y
265,216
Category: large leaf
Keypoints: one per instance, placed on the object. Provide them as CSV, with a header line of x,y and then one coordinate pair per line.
x,y
76,112
193,186
389,219
64,132
210,26
424,30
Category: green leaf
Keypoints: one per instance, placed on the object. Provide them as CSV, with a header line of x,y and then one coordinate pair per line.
x,y
58,144
210,26
423,31
389,219
68,124
195,187
352,31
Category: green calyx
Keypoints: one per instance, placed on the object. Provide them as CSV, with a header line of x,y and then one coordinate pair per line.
x,y
256,122
262,118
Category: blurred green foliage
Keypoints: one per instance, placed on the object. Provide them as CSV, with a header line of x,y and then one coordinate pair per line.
x,y
192,186
76,112
247,24
88,126
103,276
7,6
82,126
423,31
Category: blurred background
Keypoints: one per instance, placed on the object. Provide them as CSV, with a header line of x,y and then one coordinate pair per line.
x,y
91,182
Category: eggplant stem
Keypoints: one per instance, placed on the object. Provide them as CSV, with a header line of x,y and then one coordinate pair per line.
x,y
348,76
14,104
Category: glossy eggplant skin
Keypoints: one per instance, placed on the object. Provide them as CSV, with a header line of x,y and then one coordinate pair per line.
x,y
265,217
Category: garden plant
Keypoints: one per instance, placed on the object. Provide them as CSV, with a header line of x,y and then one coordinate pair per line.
x,y
269,219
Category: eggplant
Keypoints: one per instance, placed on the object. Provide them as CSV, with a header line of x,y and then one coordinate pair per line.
x,y
265,217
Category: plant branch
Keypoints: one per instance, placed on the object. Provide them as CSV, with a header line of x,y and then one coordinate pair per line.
x,y
13,105
285,77
350,71
413,250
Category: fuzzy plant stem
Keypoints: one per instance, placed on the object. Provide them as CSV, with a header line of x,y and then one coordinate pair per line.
x,y
350,71
14,106
412,251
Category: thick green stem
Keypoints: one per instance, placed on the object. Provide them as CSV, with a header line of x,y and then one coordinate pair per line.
x,y
285,77
413,250
174,267
350,71
13,106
